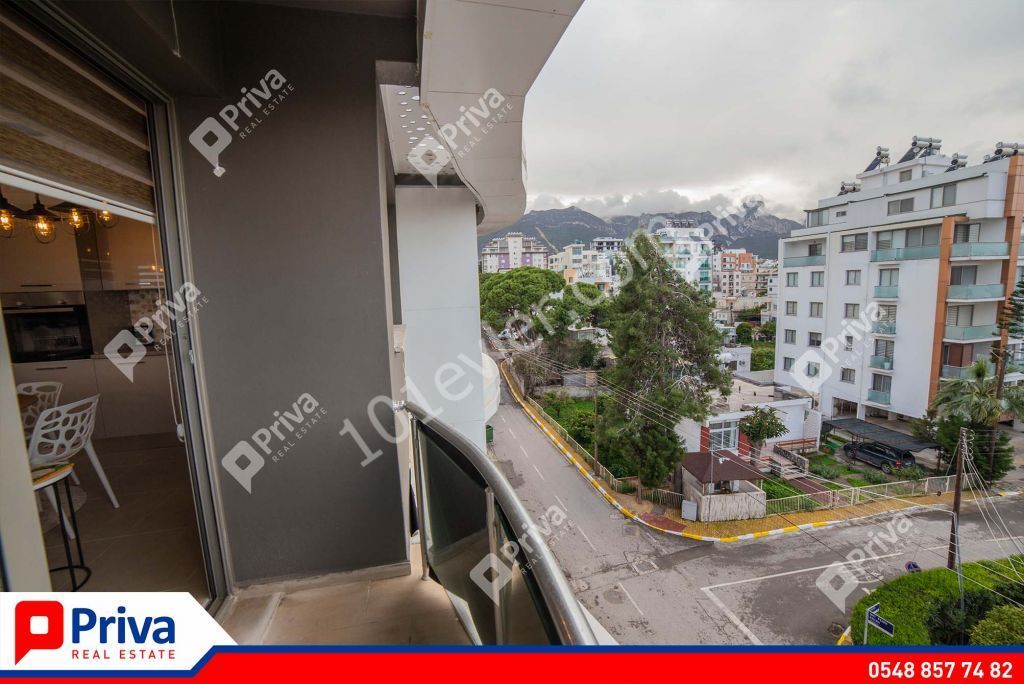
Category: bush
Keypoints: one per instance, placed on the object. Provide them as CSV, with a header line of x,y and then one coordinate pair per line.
x,y
857,481
1002,626
778,489
875,476
909,473
827,471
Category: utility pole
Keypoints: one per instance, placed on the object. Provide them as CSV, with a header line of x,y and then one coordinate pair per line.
x,y
595,421
952,560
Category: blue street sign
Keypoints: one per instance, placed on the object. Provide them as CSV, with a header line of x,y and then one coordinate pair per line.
x,y
879,622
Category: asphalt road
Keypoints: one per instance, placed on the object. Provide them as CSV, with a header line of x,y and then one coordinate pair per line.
x,y
646,587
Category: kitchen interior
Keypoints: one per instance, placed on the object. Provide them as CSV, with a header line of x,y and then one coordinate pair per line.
x,y
71,278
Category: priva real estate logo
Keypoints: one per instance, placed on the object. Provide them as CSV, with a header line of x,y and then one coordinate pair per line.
x,y
212,137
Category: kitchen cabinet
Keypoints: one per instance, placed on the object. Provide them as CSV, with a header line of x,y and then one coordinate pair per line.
x,y
130,256
140,406
78,378
27,265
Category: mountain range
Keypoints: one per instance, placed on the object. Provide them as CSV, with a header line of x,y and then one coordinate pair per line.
x,y
755,231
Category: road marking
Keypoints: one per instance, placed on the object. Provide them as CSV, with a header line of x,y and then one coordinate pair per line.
x,y
539,473
523,449
797,572
503,418
621,586
512,433
586,538
732,616
561,503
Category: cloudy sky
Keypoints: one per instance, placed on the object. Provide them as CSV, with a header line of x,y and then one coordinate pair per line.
x,y
669,105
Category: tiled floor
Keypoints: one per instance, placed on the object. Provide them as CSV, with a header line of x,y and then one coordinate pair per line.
x,y
398,610
150,543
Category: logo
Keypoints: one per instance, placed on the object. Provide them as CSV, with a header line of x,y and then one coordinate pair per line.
x,y
212,136
275,440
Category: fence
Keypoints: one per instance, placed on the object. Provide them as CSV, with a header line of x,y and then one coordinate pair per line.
x,y
852,496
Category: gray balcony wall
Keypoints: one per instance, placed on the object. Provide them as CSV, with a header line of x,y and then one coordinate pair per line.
x,y
287,249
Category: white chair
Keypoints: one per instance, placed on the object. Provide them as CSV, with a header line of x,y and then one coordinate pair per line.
x,y
46,394
63,431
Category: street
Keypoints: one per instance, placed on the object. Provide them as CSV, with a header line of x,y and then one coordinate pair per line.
x,y
646,587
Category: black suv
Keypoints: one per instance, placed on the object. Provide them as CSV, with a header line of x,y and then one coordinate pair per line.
x,y
879,455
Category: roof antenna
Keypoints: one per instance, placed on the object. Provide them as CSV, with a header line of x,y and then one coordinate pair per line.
x,y
881,159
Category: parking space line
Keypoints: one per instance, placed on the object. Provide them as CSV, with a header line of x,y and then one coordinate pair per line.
x,y
732,616
797,572
561,503
523,449
512,433
586,538
623,587
539,473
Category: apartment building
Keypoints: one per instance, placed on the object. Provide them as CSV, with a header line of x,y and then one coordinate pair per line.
x,y
580,265
733,271
687,249
512,251
607,244
930,242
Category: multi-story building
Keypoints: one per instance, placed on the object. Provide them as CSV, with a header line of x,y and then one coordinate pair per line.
x,y
934,246
580,265
733,271
688,250
512,251
607,244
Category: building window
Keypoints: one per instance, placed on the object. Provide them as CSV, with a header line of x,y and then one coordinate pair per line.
x,y
787,363
816,309
841,214
858,242
966,232
791,308
848,375
961,316
889,277
849,343
817,218
817,278
790,337
813,369
963,275
884,348
881,383
792,279
813,339
853,277
944,196
901,206
906,174
917,237
724,435
816,249
851,311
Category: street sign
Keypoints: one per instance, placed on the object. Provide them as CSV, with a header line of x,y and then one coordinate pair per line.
x,y
878,622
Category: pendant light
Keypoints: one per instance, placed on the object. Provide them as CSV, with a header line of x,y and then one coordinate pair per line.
x,y
106,219
8,213
42,222
74,217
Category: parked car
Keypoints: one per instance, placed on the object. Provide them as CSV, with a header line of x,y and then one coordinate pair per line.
x,y
881,456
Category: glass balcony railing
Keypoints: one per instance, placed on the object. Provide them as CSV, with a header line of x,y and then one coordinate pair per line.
x,y
881,362
484,548
965,371
970,332
793,262
884,327
878,397
905,253
887,291
980,249
976,291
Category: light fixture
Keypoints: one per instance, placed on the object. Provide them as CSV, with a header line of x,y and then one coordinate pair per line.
x,y
8,212
106,219
42,222
75,218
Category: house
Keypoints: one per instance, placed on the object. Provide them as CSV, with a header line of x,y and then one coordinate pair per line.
x,y
719,486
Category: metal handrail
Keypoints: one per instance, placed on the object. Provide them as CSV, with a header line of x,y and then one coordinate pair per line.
x,y
569,620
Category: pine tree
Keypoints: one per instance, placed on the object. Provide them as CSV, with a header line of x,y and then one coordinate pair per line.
x,y
666,348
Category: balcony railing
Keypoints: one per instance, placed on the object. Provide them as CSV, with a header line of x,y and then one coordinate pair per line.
x,y
980,249
878,397
905,253
970,332
887,291
965,371
884,327
505,588
793,262
881,362
976,291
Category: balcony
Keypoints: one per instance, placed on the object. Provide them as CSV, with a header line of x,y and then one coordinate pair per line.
x,y
878,397
887,291
905,253
881,362
794,262
884,327
964,372
980,249
963,333
993,291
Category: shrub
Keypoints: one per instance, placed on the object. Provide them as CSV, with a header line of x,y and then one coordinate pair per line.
x,y
827,471
875,476
913,472
1002,626
857,481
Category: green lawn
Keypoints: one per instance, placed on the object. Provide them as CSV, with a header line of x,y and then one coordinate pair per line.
x,y
776,488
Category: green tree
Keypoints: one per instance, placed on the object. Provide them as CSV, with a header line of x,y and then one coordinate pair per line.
x,y
767,331
992,463
744,333
511,298
1001,626
762,424
666,350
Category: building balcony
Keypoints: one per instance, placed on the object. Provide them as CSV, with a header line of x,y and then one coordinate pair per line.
x,y
980,249
878,397
965,371
887,291
884,327
905,253
881,362
794,262
961,333
992,291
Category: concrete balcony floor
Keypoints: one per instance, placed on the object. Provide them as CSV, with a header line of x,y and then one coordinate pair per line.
x,y
401,610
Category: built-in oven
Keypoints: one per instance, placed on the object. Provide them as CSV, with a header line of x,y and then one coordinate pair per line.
x,y
46,326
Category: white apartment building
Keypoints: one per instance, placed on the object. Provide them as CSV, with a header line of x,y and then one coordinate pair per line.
x,y
607,244
935,246
580,265
512,251
688,250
